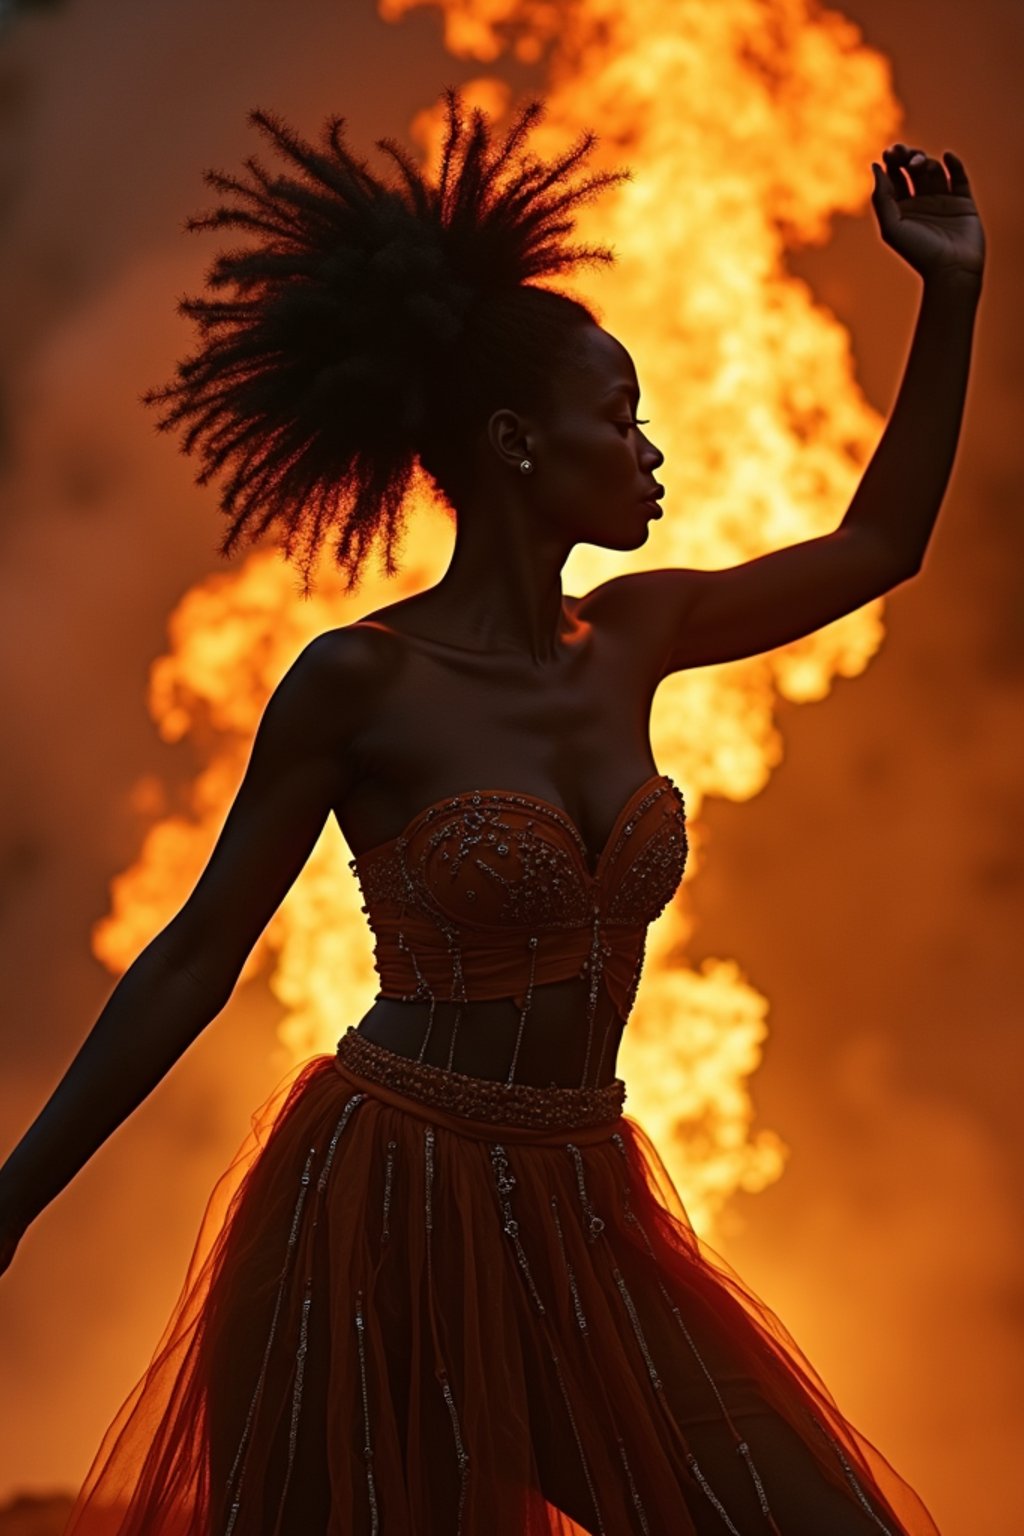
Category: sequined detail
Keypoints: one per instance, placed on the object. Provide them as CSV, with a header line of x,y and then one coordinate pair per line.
x,y
599,951
638,967
594,1223
658,1385
428,1188
634,1495
524,1011
367,1444
595,1226
489,892
479,1098
651,877
380,877
462,1455
458,991
238,1467
743,1449
505,1182
300,1373
307,1301
714,1500
307,1297
762,1498
579,1443
577,1305
423,989
641,1337
850,1475
581,1323
325,1172
385,1232
535,884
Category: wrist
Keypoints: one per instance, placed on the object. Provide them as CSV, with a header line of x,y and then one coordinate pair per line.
x,y
953,282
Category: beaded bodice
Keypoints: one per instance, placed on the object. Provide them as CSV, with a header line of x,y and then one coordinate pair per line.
x,y
491,892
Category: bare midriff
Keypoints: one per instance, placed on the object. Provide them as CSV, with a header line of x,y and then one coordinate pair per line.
x,y
553,1046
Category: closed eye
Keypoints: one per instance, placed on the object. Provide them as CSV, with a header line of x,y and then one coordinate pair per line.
x,y
633,423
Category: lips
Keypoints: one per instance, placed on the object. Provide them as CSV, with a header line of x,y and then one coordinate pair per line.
x,y
652,498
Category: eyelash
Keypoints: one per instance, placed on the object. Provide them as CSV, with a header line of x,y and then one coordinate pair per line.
x,y
633,423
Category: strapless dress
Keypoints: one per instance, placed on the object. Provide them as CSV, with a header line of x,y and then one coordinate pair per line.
x,y
425,1303
490,894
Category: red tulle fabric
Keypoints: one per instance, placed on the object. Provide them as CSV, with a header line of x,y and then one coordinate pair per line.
x,y
402,1320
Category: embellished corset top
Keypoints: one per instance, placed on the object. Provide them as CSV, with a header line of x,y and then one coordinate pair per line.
x,y
490,891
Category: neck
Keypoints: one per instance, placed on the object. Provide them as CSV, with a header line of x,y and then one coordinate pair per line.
x,y
503,588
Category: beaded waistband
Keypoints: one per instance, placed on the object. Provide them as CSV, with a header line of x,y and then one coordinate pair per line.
x,y
481,1098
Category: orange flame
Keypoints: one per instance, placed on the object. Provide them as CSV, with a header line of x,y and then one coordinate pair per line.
x,y
748,126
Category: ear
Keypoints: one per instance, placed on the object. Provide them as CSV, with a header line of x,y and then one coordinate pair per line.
x,y
508,433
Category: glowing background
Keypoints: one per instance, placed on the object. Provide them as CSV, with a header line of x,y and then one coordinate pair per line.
x,y
871,893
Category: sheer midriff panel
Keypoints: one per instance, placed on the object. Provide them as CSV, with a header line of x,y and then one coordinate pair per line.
x,y
553,1046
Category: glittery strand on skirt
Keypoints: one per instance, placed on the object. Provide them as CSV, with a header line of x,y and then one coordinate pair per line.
x,y
424,1304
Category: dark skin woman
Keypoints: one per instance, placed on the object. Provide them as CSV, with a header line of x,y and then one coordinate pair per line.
x,y
495,679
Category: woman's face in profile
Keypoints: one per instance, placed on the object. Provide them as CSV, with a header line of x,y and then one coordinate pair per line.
x,y
592,466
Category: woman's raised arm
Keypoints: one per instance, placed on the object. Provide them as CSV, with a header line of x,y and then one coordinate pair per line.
x,y
299,766
694,618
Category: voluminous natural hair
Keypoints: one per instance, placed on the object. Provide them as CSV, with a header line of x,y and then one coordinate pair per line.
x,y
374,324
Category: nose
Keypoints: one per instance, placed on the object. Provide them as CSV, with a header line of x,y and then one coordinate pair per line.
x,y
654,457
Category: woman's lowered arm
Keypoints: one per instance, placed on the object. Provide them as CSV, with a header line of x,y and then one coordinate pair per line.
x,y
186,974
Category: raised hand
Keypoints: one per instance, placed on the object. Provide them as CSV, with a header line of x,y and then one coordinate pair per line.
x,y
932,222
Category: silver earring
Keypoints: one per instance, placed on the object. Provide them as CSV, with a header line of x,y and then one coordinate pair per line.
x,y
526,467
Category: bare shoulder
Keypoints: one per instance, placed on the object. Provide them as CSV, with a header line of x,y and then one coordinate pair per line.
x,y
324,698
629,615
345,666
350,655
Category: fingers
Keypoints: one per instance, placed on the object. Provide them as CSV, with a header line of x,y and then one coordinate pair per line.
x,y
957,174
894,159
911,172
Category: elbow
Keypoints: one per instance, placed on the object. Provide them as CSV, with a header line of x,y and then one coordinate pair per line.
x,y
899,571
212,985
210,972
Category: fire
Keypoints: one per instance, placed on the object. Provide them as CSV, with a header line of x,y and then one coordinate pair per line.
x,y
748,127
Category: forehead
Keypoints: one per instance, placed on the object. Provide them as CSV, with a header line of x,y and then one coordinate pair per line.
x,y
604,363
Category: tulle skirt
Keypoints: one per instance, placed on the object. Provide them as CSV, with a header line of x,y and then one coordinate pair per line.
x,y
425,1304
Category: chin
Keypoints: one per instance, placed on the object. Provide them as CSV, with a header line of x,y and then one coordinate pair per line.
x,y
626,534
626,538
631,534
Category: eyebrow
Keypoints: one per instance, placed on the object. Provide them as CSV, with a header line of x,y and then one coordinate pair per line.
x,y
629,389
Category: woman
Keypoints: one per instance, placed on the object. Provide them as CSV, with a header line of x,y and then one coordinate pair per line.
x,y
447,1286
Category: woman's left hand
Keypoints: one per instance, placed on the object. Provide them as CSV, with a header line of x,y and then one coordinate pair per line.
x,y
935,227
